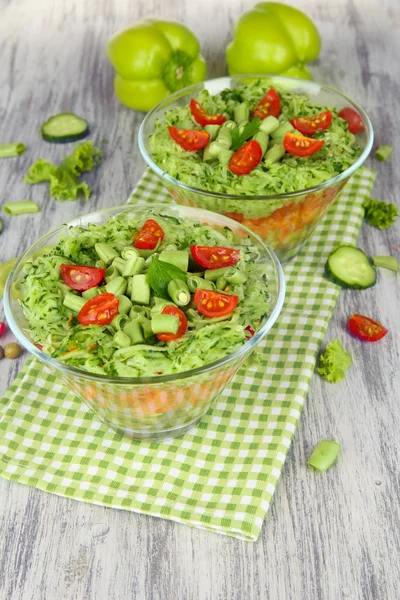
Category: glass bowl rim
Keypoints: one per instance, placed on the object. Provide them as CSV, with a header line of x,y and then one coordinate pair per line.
x,y
182,92
137,381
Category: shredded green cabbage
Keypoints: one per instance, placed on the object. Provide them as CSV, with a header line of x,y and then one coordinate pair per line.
x,y
288,175
93,348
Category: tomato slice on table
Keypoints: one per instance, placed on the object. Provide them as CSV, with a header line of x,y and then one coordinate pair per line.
x,y
81,278
149,236
269,105
354,120
214,257
311,125
366,329
169,337
202,117
99,310
189,139
214,304
298,145
246,158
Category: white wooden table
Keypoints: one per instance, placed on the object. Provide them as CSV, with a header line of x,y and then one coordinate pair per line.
x,y
327,537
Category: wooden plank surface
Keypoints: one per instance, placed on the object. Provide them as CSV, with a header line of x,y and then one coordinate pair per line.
x,y
330,537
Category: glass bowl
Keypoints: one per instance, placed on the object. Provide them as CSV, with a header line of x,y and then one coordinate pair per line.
x,y
287,228
148,407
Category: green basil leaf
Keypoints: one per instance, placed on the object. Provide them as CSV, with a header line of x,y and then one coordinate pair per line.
x,y
249,130
160,274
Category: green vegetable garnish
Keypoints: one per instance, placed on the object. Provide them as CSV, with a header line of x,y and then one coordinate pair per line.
x,y
20,207
13,149
383,153
250,129
387,262
160,274
63,180
380,214
334,362
324,455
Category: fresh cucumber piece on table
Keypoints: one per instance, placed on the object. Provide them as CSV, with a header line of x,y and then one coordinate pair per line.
x,y
351,268
63,128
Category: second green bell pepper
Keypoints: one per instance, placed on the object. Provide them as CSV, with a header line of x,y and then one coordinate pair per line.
x,y
152,59
273,38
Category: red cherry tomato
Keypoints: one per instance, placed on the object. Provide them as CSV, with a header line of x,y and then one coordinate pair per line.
x,y
214,304
99,310
189,139
311,125
250,331
269,105
214,257
149,236
366,329
354,120
81,278
2,328
202,117
246,158
169,337
301,146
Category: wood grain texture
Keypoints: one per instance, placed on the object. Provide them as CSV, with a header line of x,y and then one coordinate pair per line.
x,y
327,537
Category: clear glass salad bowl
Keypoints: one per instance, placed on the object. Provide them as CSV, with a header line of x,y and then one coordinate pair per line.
x,y
148,407
288,227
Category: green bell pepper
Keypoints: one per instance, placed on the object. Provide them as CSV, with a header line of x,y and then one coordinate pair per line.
x,y
273,38
152,59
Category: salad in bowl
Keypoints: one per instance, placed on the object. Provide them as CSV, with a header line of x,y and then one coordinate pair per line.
x,y
269,152
145,313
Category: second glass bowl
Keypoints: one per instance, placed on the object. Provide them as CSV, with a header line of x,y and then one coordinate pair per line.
x,y
286,229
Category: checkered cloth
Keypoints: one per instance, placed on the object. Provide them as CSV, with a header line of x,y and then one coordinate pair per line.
x,y
221,475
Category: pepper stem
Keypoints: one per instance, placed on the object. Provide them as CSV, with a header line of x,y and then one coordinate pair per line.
x,y
176,73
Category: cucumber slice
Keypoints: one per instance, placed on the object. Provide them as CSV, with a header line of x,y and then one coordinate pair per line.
x,y
63,128
349,267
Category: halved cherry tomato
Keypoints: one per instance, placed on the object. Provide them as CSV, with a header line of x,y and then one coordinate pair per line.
x,y
214,257
269,105
81,278
99,310
354,120
366,329
301,146
189,139
149,236
235,216
169,337
214,304
202,117
250,331
311,125
246,158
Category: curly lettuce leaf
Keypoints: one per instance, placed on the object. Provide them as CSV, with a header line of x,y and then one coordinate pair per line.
x,y
334,362
380,214
63,180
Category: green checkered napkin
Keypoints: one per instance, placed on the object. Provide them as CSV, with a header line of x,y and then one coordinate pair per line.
x,y
222,474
